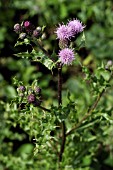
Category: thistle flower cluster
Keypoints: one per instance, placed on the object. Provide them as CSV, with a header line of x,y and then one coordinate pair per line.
x,y
26,28
70,30
65,33
30,95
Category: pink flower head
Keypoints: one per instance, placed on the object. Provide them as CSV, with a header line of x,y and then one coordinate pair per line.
x,y
63,32
75,26
28,27
66,56
26,24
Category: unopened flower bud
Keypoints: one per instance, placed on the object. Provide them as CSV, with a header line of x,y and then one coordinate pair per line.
x,y
22,35
30,91
17,28
109,65
39,29
43,36
37,90
31,98
35,33
21,88
21,94
63,43
28,27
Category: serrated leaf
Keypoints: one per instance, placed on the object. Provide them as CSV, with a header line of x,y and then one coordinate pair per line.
x,y
25,41
42,58
23,55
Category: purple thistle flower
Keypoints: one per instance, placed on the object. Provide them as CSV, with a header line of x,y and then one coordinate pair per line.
x,y
76,26
66,56
63,32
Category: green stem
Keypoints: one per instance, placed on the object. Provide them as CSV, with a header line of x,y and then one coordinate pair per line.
x,y
59,84
60,103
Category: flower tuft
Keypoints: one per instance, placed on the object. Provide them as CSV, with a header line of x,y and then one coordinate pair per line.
x,y
63,32
75,26
66,56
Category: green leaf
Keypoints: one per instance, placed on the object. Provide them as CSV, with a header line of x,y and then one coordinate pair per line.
x,y
25,41
23,55
38,57
42,58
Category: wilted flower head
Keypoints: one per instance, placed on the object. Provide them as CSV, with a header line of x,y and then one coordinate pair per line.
x,y
63,32
75,26
66,56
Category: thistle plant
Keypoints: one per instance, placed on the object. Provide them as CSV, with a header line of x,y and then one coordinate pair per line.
x,y
62,135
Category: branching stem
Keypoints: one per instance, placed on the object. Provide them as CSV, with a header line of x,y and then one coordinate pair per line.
x,y
92,108
86,115
42,49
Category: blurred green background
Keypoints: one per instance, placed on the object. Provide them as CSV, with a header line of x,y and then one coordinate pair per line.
x,y
97,15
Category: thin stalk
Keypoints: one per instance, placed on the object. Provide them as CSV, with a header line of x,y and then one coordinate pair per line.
x,y
59,84
87,114
92,108
60,103
43,108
